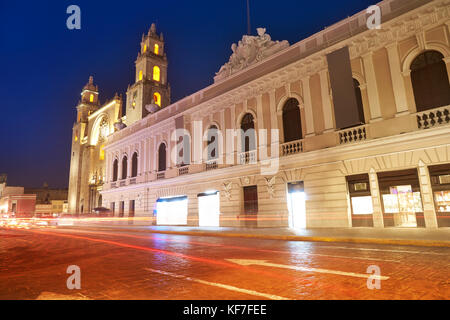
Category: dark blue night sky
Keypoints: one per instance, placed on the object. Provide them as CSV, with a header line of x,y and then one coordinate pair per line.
x,y
44,65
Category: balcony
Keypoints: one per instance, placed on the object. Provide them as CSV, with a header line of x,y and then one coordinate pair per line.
x,y
247,157
113,185
160,175
122,183
183,170
211,165
133,180
433,118
351,135
292,147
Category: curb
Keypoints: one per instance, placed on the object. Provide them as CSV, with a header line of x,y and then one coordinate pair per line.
x,y
403,242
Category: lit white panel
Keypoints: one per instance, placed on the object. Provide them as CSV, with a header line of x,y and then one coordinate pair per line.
x,y
362,205
172,212
209,211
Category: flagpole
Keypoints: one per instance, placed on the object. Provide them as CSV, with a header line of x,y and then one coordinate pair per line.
x,y
249,30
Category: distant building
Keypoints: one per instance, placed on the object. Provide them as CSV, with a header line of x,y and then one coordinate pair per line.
x,y
46,195
13,201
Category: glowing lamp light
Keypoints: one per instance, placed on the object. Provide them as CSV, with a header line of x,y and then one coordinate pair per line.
x,y
157,98
156,73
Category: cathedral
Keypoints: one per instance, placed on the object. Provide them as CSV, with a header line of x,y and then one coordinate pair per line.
x,y
96,122
346,128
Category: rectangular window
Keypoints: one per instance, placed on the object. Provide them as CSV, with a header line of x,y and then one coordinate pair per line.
x,y
209,209
360,200
113,208
172,211
132,208
121,208
296,205
250,206
401,198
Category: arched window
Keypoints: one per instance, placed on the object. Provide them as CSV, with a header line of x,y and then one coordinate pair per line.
x,y
248,139
162,157
156,49
145,48
213,139
140,75
91,98
134,165
292,124
157,98
115,169
124,167
359,102
429,79
156,73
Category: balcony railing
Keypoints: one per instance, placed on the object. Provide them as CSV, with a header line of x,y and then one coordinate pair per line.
x,y
247,157
133,181
113,185
211,165
160,175
433,118
122,183
292,147
183,170
351,135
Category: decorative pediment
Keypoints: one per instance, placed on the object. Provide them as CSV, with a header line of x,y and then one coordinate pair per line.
x,y
250,50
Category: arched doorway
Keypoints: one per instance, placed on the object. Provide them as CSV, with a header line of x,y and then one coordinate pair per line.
x,y
115,169
292,125
429,79
212,142
134,165
162,157
248,140
124,167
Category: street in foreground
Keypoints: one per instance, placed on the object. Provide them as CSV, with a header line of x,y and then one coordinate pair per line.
x,y
127,265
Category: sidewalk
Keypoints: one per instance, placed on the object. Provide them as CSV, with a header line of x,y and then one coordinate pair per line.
x,y
392,236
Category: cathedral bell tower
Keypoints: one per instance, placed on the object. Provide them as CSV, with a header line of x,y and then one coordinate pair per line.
x,y
151,86
89,101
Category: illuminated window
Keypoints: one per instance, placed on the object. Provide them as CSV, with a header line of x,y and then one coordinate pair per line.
x,y
140,75
102,152
156,73
157,98
76,138
91,98
145,47
156,50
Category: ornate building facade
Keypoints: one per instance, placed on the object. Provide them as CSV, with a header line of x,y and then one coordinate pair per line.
x,y
358,132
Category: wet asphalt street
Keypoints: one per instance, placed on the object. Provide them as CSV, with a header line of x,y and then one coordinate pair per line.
x,y
131,265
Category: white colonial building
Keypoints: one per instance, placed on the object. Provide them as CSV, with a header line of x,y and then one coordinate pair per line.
x,y
358,130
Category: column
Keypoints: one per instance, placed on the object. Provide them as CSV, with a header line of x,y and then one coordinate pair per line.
x,y
129,162
260,116
376,200
372,88
273,110
308,107
222,136
447,64
427,197
326,101
398,84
